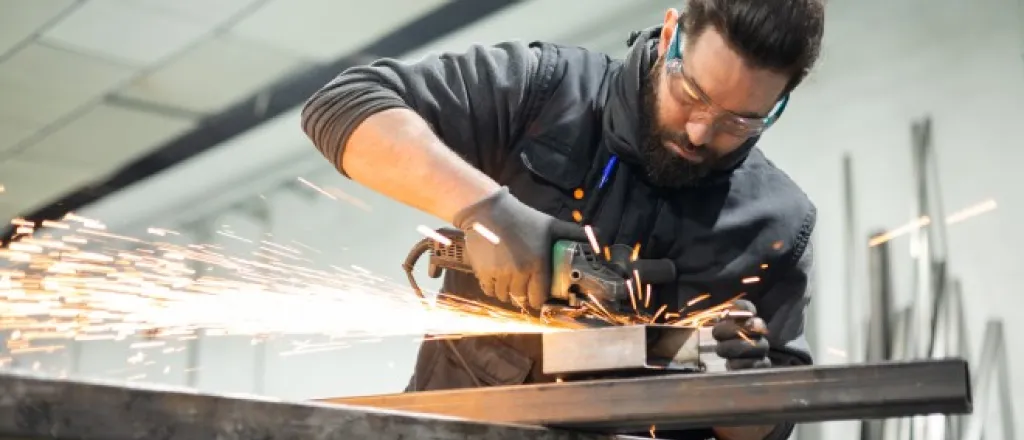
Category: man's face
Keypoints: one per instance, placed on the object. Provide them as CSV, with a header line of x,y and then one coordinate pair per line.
x,y
686,138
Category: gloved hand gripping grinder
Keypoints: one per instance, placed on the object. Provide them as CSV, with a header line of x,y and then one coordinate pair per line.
x,y
578,276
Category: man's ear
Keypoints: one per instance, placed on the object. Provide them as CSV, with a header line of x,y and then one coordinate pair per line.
x,y
668,29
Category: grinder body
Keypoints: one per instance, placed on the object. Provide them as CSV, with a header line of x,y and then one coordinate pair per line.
x,y
578,274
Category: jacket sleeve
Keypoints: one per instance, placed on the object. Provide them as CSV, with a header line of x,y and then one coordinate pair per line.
x,y
474,100
785,308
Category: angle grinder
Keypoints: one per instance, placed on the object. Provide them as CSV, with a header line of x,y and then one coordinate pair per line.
x,y
586,287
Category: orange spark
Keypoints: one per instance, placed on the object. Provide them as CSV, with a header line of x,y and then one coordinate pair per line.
x,y
639,285
918,223
697,299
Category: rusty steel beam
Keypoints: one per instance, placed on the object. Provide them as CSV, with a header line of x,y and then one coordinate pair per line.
x,y
683,401
34,407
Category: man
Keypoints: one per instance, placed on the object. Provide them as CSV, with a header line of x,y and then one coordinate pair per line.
x,y
534,141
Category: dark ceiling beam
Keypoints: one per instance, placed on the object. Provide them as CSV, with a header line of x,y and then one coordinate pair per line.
x,y
266,104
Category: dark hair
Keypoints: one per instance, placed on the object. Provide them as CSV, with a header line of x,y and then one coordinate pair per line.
x,y
779,35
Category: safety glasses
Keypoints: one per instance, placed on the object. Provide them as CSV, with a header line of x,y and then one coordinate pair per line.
x,y
700,106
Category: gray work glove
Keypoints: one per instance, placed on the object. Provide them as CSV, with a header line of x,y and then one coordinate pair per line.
x,y
742,341
518,267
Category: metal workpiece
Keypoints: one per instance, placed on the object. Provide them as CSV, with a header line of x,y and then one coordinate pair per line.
x,y
681,401
626,349
34,407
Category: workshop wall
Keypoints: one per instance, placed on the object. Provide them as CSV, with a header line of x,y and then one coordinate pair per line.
x,y
882,68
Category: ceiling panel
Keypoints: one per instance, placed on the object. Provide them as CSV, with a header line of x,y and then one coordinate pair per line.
x,y
214,74
11,133
200,11
106,138
165,50
40,84
124,31
29,185
326,29
33,107
62,70
20,19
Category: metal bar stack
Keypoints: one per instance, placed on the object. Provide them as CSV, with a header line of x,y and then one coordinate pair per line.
x,y
933,325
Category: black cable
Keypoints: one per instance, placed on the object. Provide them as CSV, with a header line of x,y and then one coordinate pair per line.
x,y
420,248
409,265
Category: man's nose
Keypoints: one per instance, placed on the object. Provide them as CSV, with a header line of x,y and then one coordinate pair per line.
x,y
700,133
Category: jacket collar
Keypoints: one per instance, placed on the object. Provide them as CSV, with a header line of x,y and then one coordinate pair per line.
x,y
623,112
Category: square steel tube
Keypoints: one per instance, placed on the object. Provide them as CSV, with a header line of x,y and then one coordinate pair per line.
x,y
633,348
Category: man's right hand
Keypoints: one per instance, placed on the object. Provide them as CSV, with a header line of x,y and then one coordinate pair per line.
x,y
510,250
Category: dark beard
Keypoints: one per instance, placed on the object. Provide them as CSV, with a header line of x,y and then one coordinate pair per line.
x,y
664,168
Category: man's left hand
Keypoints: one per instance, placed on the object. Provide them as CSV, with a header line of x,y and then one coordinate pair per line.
x,y
741,338
742,342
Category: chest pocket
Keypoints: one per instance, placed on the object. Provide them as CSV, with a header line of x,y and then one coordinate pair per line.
x,y
554,163
547,175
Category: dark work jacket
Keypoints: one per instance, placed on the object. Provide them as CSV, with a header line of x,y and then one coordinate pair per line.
x,y
545,120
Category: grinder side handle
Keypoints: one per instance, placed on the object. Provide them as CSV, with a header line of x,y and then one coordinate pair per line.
x,y
448,256
578,274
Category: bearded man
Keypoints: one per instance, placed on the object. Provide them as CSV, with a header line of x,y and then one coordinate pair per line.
x,y
533,141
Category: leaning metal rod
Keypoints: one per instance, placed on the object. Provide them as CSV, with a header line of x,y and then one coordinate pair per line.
x,y
937,235
851,244
880,331
931,240
1005,395
895,428
923,298
991,376
950,338
880,325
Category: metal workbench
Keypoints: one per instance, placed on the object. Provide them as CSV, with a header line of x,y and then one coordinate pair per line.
x,y
35,407
681,401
